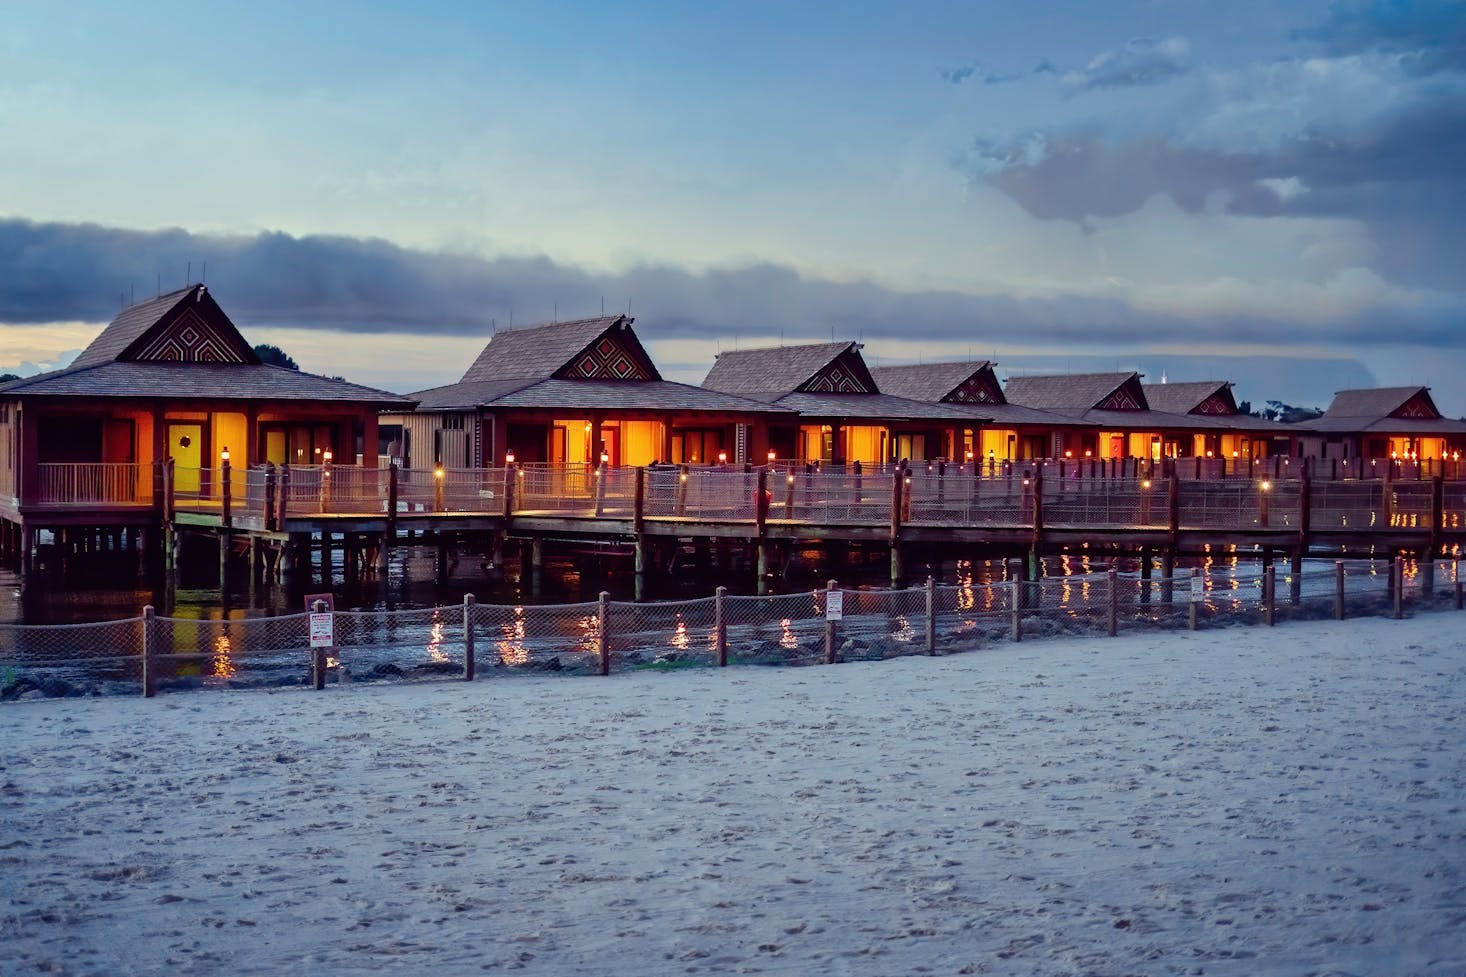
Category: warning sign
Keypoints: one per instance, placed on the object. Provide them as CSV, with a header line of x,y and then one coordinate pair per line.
x,y
323,629
834,605
1198,590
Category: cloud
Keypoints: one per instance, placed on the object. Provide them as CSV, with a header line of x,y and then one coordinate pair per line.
x,y
1142,61
966,72
70,272
1429,36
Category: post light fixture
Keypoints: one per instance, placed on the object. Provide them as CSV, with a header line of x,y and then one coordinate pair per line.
x,y
1088,453
1208,454
605,457
224,455
1265,485
722,457
509,457
791,478
1070,454
326,456
683,477
1236,453
1145,484
438,473
969,454
771,456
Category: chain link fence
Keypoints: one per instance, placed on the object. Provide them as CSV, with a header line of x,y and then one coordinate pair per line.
x,y
151,653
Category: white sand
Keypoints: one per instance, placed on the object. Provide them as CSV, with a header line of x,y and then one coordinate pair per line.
x,y
1249,801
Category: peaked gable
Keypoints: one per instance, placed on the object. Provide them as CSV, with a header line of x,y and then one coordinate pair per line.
x,y
1219,404
772,370
615,355
1127,396
603,347
845,374
186,326
1418,408
980,388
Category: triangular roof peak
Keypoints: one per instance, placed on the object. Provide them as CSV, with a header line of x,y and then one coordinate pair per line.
x,y
1411,403
1206,397
598,348
805,368
958,382
1078,391
186,326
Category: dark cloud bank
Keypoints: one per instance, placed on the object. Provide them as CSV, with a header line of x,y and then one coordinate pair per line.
x,y
58,272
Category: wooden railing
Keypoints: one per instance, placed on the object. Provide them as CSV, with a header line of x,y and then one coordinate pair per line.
x,y
94,483
1043,497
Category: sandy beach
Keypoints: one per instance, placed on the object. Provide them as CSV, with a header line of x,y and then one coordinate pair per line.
x,y
1286,801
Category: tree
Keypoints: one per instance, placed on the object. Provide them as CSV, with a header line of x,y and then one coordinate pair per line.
x,y
7,377
1276,410
275,356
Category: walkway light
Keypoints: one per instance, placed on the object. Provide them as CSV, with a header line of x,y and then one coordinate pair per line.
x,y
722,457
224,455
1145,484
1265,485
771,456
438,473
326,457
605,457
969,454
509,457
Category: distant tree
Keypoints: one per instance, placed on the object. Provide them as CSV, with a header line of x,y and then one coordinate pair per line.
x,y
1245,407
1276,410
275,356
7,377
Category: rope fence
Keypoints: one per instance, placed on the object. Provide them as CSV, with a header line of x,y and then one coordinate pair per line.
x,y
828,625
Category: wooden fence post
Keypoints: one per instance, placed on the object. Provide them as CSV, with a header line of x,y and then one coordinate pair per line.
x,y
1114,622
603,639
1015,601
601,478
1338,590
1398,575
1269,593
830,658
720,626
284,509
269,513
511,480
638,501
148,637
931,615
318,655
468,649
1193,606
226,500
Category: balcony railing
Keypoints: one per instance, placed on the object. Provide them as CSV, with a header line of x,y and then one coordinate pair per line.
x,y
94,483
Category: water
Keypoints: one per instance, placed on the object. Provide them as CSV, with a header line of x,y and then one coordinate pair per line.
x,y
107,587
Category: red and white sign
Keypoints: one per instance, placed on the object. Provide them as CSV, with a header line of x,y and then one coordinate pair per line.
x,y
323,629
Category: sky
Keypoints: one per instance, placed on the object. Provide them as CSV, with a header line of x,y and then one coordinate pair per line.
x,y
1260,191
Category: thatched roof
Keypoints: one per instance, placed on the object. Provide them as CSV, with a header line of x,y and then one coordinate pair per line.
x,y
1066,392
1187,396
931,382
1384,410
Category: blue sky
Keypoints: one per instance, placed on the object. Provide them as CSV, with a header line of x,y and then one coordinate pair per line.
x,y
1267,192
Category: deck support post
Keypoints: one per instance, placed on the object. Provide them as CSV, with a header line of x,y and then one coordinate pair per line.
x,y
1168,576
536,562
226,542
326,557
763,566
1193,606
639,567
440,563
1295,578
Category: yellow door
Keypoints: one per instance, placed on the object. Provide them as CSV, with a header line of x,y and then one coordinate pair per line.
x,y
186,448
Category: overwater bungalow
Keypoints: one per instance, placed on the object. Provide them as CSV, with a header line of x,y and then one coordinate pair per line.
x,y
579,392
1014,432
1220,429
1109,414
1399,423
842,414
169,378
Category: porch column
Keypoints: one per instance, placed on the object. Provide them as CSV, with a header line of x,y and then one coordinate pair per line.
x,y
595,440
837,442
252,450
666,456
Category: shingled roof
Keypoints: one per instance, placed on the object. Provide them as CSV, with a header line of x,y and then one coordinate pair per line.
x,y
772,369
126,337
1384,410
1067,391
545,350
1187,396
931,382
202,381
182,346
943,382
